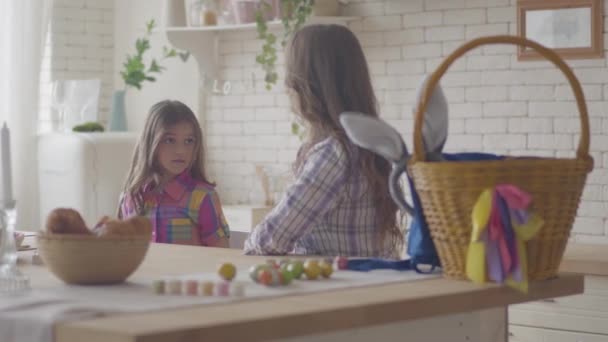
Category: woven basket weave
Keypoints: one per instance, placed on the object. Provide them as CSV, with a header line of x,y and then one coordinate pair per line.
x,y
448,190
92,260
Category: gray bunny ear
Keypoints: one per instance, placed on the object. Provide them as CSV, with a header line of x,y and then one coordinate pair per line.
x,y
435,127
374,134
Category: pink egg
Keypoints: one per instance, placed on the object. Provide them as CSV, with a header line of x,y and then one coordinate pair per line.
x,y
341,263
222,289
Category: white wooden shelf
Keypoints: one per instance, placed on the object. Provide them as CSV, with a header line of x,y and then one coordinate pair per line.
x,y
203,42
252,26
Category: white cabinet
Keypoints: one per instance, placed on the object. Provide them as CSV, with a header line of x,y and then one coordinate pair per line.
x,y
84,171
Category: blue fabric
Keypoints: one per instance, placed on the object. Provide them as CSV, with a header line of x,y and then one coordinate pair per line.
x,y
420,246
368,264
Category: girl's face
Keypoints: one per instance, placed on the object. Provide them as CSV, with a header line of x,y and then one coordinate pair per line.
x,y
175,152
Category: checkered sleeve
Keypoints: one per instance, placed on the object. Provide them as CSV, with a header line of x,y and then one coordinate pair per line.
x,y
314,193
211,221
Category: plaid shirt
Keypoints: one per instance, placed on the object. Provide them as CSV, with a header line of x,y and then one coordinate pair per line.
x,y
327,211
186,211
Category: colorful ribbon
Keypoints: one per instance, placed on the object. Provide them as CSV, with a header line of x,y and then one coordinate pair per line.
x,y
501,226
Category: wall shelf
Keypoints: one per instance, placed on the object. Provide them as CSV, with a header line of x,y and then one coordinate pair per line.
x,y
203,42
252,26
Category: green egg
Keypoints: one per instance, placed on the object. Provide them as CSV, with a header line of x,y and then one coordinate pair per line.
x,y
296,268
286,277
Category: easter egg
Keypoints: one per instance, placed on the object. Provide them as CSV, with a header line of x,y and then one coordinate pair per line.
x,y
296,268
312,269
276,277
265,277
205,288
341,263
255,269
227,271
159,286
326,269
237,290
286,277
222,288
191,287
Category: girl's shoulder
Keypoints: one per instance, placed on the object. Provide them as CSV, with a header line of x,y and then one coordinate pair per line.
x,y
202,186
328,145
332,148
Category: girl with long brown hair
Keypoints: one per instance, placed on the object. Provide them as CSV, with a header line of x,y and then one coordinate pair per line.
x,y
167,181
339,203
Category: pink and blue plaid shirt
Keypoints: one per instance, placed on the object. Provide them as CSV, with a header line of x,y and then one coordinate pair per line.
x,y
186,211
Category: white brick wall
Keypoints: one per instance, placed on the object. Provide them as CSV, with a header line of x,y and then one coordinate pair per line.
x,y
496,102
80,47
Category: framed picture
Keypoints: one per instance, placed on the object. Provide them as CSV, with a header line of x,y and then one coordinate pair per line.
x,y
573,28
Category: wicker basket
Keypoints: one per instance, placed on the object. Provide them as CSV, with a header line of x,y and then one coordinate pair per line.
x,y
448,190
92,260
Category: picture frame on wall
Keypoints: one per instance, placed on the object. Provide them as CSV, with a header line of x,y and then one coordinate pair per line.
x,y
573,28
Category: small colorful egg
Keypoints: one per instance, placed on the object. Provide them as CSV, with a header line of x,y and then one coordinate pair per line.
x,y
296,268
159,286
312,269
206,288
175,286
191,287
326,269
255,270
237,290
227,271
265,277
286,277
276,277
342,263
222,288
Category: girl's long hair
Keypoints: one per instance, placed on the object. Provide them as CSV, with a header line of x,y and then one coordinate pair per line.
x,y
144,165
327,74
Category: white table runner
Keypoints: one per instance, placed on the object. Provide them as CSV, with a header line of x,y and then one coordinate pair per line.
x,y
30,317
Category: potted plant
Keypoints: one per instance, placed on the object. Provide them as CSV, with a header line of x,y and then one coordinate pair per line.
x,y
135,72
293,14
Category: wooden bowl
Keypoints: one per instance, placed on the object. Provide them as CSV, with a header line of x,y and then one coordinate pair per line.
x,y
92,260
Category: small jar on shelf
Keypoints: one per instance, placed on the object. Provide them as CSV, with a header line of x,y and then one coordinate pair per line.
x,y
194,12
209,13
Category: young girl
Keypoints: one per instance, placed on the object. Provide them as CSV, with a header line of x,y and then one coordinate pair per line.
x,y
167,181
339,203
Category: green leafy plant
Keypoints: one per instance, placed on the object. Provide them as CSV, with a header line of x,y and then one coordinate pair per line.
x,y
294,14
88,127
136,71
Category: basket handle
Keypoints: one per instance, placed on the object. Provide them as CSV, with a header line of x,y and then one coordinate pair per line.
x,y
583,145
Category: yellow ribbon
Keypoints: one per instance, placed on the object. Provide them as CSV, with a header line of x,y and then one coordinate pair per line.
x,y
476,253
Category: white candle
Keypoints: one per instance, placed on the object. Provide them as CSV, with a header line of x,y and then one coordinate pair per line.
x,y
6,188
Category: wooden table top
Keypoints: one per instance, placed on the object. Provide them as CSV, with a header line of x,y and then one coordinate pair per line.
x,y
287,316
585,258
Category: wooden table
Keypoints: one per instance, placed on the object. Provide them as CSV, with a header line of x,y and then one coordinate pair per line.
x,y
429,310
